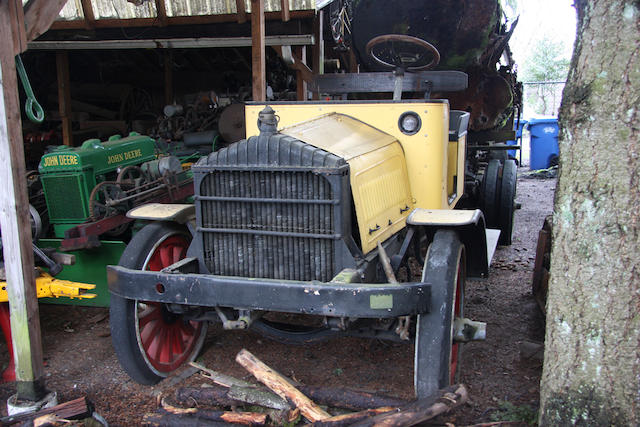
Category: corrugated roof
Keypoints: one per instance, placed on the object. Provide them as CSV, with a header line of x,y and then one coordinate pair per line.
x,y
123,9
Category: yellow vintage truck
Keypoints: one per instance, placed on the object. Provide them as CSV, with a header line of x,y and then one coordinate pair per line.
x,y
316,215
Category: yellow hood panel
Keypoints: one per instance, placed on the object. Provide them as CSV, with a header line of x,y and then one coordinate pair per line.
x,y
340,134
378,172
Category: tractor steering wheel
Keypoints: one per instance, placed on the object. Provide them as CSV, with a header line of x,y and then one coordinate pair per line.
x,y
402,51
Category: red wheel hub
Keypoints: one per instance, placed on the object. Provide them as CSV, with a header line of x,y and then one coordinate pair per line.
x,y
167,339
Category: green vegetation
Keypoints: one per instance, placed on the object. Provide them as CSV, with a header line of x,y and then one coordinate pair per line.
x,y
507,411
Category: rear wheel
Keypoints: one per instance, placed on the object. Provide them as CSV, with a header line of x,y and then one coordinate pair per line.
x,y
437,356
507,201
490,193
151,341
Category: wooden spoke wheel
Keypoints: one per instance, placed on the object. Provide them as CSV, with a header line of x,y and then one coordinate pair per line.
x,y
149,339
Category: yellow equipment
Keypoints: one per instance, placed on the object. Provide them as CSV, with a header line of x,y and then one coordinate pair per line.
x,y
49,286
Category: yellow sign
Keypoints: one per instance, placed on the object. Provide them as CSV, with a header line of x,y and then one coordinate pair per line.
x,y
61,160
127,155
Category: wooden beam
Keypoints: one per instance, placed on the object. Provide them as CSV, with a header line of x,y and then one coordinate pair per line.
x,y
301,84
179,43
175,20
318,47
39,15
64,96
161,10
284,9
16,230
89,16
17,26
168,76
241,12
258,62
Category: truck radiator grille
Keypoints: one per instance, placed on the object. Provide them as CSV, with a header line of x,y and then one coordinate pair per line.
x,y
268,224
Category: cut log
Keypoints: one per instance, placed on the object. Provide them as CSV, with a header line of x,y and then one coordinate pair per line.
x,y
168,413
281,386
349,399
258,396
420,410
349,419
172,420
221,379
78,408
213,396
232,396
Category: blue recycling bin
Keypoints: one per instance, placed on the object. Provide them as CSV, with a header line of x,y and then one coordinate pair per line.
x,y
543,143
518,126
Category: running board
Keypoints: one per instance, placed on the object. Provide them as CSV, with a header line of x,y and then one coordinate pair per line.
x,y
492,243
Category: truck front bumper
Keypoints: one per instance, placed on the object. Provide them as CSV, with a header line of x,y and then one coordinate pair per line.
x,y
327,299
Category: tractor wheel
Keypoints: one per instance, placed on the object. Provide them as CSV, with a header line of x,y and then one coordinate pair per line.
x,y
437,356
507,201
149,340
490,193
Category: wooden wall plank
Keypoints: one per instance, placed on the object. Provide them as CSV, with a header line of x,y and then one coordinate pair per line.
x,y
258,61
176,20
17,26
14,221
39,15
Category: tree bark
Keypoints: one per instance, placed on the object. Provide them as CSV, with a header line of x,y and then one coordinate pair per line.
x,y
592,356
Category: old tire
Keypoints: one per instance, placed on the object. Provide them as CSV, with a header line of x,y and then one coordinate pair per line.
x,y
490,193
292,334
150,341
437,356
507,201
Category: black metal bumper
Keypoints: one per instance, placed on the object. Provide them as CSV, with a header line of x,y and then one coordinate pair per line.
x,y
329,299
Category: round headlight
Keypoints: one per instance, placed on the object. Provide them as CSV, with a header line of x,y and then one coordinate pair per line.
x,y
409,123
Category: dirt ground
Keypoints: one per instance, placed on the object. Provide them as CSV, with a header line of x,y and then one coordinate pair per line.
x,y
81,362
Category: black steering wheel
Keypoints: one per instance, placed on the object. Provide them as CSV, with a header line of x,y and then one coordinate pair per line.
x,y
402,51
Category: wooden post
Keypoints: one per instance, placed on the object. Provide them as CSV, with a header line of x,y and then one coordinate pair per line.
x,y
64,96
161,10
16,230
258,62
241,12
284,9
318,47
87,11
301,84
168,76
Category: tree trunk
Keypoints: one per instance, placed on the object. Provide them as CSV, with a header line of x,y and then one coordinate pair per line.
x,y
592,357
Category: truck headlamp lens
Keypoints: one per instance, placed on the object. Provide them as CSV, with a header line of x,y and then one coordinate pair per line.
x,y
409,123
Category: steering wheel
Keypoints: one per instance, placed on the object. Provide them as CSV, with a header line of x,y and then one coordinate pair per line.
x,y
402,51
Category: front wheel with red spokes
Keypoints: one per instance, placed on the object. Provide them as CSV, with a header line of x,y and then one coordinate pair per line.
x,y
437,355
150,340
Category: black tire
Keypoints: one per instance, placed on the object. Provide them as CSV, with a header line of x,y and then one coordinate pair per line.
x,y
507,201
291,334
154,245
490,193
437,356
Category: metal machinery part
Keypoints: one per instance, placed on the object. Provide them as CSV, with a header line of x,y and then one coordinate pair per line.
x,y
402,51
89,189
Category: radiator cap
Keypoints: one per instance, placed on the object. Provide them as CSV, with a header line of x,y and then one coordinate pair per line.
x,y
268,121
